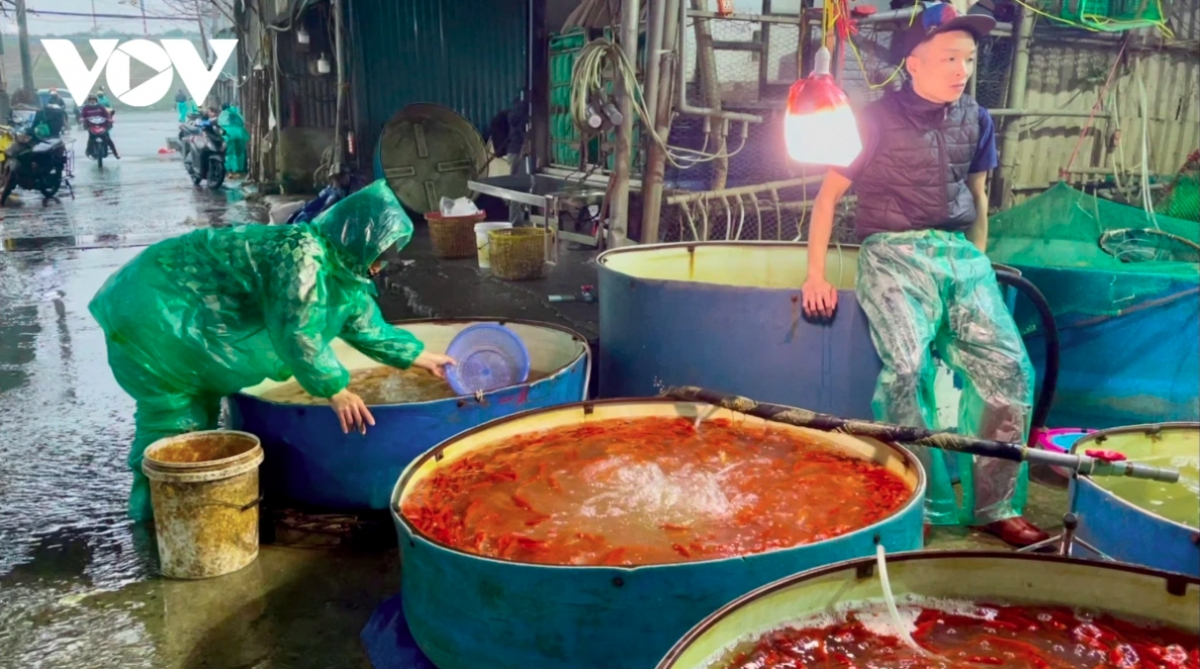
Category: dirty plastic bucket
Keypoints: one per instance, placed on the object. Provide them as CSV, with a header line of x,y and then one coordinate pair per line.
x,y
481,241
204,488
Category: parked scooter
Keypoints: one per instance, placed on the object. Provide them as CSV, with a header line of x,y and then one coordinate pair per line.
x,y
203,151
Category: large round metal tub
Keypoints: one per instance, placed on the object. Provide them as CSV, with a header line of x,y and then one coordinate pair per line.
x,y
310,462
729,316
1121,590
467,611
1121,528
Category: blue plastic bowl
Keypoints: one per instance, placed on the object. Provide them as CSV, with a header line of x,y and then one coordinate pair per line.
x,y
489,356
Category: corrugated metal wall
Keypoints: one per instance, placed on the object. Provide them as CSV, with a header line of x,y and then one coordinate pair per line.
x,y
469,56
1068,74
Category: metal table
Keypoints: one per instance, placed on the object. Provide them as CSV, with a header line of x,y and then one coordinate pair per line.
x,y
545,192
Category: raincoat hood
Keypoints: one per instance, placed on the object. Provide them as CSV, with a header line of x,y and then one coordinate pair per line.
x,y
365,224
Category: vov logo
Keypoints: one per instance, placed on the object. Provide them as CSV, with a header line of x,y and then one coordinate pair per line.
x,y
180,53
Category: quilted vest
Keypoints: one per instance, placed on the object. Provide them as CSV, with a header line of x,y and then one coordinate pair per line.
x,y
917,177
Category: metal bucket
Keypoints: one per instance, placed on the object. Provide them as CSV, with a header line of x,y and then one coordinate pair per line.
x,y
729,316
467,611
1118,527
1121,590
312,463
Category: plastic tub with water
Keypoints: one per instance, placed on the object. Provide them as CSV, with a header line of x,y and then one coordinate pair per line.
x,y
312,464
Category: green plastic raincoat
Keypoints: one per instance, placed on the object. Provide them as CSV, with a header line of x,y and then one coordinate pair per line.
x,y
234,126
932,291
197,317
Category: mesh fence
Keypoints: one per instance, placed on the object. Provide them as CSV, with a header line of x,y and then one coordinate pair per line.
x,y
781,214
751,66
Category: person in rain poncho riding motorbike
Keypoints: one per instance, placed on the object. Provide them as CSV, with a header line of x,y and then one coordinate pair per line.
x,y
91,109
923,279
201,316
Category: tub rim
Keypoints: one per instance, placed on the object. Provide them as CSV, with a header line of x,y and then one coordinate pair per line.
x,y
586,354
602,259
863,565
917,497
1091,439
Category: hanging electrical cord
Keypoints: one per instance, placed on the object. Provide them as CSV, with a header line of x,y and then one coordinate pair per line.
x,y
858,56
1147,200
587,83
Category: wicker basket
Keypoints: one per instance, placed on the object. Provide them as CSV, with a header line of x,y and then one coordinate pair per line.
x,y
453,236
518,254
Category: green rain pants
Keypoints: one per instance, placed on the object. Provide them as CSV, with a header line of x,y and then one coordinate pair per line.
x,y
933,292
235,152
162,411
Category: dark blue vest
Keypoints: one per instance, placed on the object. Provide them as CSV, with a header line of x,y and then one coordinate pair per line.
x,y
917,176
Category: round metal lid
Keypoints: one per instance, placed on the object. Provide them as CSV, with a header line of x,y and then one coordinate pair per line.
x,y
428,152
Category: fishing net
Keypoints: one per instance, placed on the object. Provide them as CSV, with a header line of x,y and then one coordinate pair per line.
x,y
1182,196
1124,287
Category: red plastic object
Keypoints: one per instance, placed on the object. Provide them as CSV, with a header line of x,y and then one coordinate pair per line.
x,y
862,10
1107,456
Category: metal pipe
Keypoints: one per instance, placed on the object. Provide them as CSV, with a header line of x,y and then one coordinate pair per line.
x,y
1087,465
619,211
710,89
752,18
1047,112
654,54
1022,36
656,159
682,106
340,56
685,198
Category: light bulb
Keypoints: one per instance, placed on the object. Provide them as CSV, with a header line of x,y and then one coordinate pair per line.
x,y
819,126
302,36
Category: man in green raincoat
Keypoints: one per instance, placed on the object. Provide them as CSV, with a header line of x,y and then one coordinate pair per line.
x,y
234,126
923,278
198,317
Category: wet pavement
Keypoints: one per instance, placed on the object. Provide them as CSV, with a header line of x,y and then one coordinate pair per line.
x,y
78,582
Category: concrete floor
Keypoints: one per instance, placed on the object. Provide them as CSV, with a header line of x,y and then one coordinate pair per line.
x,y
78,584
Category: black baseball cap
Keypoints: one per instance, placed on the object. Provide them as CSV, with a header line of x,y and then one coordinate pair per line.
x,y
936,18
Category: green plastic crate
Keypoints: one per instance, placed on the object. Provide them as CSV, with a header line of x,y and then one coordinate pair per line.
x,y
1113,15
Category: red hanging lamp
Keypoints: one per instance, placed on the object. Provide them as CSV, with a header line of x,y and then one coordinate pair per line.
x,y
819,127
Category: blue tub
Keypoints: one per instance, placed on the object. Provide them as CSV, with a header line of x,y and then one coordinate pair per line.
x,y
468,612
1125,528
729,316
311,463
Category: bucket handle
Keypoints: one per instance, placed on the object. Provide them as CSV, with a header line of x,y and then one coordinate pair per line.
x,y
238,507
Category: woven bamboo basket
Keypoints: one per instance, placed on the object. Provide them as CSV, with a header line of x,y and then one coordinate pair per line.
x,y
518,254
453,236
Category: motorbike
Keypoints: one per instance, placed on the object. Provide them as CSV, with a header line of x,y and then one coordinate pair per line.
x,y
34,163
97,142
203,152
